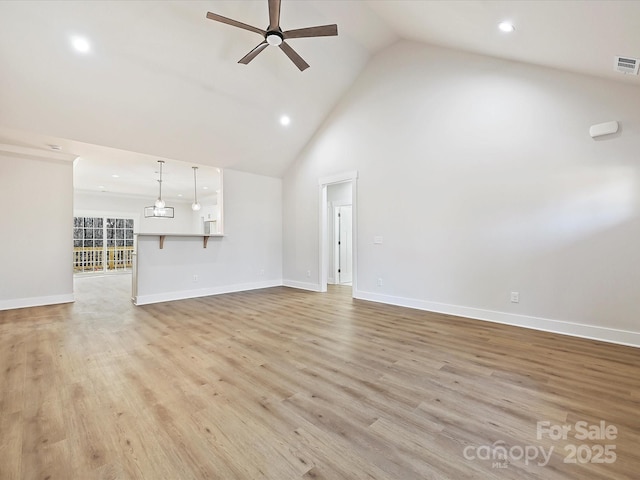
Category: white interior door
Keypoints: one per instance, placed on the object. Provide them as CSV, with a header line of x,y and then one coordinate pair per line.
x,y
345,245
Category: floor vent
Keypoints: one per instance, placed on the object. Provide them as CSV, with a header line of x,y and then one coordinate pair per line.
x,y
627,65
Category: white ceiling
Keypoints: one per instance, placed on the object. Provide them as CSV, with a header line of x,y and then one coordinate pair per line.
x,y
125,173
582,36
121,172
163,81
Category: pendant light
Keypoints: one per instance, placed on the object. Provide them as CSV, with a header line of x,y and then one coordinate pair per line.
x,y
159,209
195,206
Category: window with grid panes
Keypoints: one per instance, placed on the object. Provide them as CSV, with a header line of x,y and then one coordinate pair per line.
x,y
102,244
88,244
119,232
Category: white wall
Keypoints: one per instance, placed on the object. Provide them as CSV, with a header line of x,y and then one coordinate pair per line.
x,y
36,233
249,255
481,178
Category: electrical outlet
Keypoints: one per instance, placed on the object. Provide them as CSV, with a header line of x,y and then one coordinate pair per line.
x,y
308,273
379,282
195,278
262,272
515,297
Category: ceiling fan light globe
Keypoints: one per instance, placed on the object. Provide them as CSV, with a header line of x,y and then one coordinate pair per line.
x,y
274,39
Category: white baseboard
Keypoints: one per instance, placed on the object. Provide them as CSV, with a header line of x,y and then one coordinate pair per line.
x,y
611,335
35,301
202,292
312,287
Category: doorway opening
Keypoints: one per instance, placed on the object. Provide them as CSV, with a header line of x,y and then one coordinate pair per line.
x,y
103,255
338,233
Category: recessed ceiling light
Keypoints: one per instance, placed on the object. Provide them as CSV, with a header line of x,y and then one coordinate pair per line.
x,y
179,194
101,187
205,188
81,44
506,27
285,120
115,175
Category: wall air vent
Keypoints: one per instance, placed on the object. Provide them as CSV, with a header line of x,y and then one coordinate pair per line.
x,y
627,65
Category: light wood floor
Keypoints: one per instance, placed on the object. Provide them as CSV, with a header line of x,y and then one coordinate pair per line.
x,y
282,384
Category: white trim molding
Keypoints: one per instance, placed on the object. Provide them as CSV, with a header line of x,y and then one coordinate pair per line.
x,y
202,292
312,287
37,154
36,301
592,332
340,178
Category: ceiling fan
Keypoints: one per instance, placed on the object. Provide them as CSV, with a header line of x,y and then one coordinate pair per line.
x,y
274,35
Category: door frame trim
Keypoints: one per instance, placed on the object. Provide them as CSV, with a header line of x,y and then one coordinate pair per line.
x,y
323,183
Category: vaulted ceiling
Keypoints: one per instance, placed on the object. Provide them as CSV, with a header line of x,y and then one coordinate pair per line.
x,y
162,80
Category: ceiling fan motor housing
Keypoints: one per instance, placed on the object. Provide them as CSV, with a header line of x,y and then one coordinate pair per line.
x,y
274,37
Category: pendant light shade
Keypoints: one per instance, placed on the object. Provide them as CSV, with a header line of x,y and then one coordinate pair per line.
x,y
195,206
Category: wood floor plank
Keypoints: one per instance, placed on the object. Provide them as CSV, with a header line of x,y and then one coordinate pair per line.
x,y
282,384
11,427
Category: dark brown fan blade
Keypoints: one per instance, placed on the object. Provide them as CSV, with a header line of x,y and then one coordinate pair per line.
x,y
274,14
295,58
234,23
253,53
321,31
